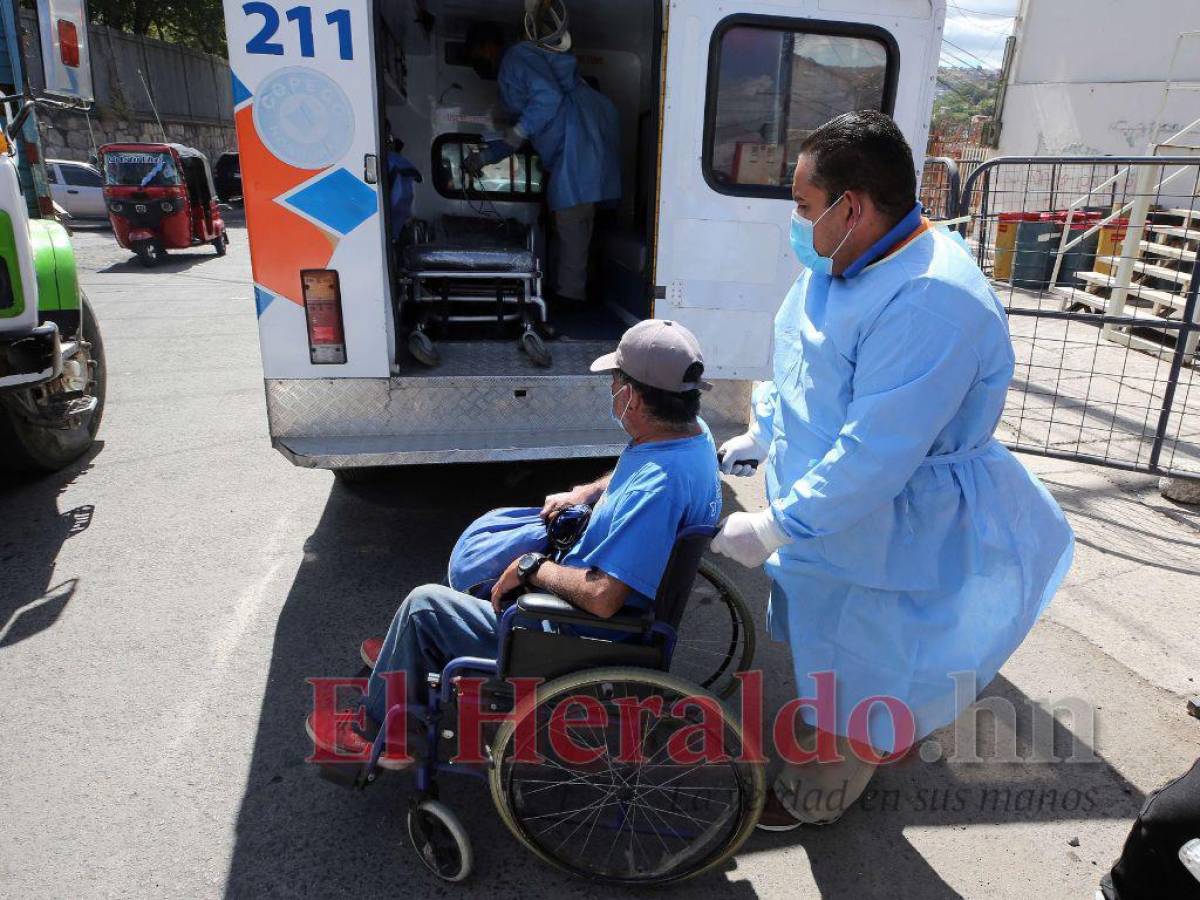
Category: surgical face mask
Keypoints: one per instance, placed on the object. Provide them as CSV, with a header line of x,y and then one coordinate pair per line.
x,y
620,420
802,241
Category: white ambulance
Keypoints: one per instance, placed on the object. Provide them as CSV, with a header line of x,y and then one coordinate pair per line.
x,y
389,346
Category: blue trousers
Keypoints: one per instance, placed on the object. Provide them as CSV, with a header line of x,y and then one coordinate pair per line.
x,y
433,625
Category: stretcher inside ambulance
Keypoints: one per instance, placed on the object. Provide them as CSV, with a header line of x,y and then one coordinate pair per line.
x,y
468,82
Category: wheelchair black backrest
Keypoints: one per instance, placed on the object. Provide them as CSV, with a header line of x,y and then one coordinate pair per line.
x,y
682,568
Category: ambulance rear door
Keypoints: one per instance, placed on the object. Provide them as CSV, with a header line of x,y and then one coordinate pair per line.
x,y
305,106
745,84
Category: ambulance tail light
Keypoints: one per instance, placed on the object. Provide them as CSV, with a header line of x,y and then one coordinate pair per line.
x,y
68,43
323,312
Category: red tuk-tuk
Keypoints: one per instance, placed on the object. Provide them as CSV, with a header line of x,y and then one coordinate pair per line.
x,y
161,197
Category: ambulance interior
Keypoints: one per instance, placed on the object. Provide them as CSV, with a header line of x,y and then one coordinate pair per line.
x,y
473,265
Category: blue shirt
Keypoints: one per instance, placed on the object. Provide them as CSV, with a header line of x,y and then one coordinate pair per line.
x,y
657,489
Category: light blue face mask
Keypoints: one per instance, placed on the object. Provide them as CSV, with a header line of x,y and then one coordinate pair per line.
x,y
620,420
802,241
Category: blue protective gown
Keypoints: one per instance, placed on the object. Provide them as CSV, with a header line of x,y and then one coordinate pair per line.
x,y
402,176
574,128
921,547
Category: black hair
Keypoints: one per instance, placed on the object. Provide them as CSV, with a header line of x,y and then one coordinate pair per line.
x,y
676,410
864,151
483,34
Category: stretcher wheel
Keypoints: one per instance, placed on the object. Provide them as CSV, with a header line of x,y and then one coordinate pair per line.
x,y
535,349
622,802
422,349
440,840
220,244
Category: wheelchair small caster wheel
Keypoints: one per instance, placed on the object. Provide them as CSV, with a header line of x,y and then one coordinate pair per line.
x,y
536,350
422,349
440,840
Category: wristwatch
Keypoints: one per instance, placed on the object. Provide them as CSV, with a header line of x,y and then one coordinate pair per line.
x,y
528,564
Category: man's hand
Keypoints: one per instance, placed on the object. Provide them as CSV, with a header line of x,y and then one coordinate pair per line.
x,y
556,503
750,538
505,584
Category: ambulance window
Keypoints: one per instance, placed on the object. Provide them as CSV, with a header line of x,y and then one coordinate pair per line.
x,y
518,178
772,82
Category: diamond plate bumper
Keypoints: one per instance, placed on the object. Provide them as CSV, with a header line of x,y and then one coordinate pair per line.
x,y
350,422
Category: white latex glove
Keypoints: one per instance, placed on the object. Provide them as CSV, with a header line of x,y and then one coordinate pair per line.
x,y
750,538
737,454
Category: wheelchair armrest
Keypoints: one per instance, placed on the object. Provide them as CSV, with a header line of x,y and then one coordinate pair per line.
x,y
549,608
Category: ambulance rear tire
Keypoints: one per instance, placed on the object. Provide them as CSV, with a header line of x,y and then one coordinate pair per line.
x,y
359,474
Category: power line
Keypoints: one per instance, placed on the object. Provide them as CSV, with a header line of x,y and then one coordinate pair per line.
x,y
978,12
962,63
967,52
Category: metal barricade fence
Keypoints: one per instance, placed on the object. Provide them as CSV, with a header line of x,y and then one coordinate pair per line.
x,y
1096,260
940,188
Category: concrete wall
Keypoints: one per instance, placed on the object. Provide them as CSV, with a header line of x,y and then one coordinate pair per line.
x,y
1088,76
191,91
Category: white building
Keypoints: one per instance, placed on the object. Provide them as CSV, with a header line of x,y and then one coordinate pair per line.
x,y
1088,76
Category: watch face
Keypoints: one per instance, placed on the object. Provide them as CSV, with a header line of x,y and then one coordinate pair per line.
x,y
526,564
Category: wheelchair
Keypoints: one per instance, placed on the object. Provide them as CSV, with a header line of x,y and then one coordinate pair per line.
x,y
656,786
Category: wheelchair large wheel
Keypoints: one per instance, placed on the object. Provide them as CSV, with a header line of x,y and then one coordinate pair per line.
x,y
440,840
716,636
619,802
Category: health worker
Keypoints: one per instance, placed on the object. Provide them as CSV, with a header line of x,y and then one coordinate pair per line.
x,y
904,544
573,127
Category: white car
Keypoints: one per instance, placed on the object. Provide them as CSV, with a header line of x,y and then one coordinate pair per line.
x,y
77,187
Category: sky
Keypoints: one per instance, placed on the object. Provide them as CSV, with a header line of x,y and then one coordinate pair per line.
x,y
975,32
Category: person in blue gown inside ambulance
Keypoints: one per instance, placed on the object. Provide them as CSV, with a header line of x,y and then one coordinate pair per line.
x,y
573,127
909,552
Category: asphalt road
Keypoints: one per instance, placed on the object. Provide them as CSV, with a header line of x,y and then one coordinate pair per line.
x,y
163,602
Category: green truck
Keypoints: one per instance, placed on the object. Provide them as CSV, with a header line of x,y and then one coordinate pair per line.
x,y
52,371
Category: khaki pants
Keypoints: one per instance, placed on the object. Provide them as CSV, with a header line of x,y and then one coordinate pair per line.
x,y
572,246
819,793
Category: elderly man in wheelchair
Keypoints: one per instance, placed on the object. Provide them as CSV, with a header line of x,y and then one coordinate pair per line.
x,y
612,769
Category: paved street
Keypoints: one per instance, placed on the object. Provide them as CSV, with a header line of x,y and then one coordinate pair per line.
x,y
162,604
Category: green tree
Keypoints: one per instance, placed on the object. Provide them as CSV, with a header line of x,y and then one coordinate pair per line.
x,y
962,98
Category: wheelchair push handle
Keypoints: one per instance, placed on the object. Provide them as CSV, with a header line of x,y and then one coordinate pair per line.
x,y
708,531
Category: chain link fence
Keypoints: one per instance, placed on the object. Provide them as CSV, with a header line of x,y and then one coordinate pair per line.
x,y
1096,260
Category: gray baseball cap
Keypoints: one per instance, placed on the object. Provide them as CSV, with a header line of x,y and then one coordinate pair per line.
x,y
657,352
